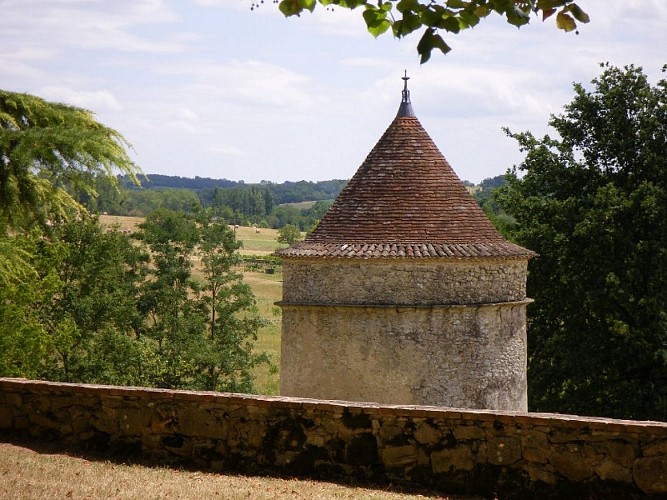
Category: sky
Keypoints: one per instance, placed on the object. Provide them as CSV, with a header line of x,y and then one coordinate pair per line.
x,y
211,88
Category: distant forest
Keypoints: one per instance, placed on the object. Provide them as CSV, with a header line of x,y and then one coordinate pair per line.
x,y
265,204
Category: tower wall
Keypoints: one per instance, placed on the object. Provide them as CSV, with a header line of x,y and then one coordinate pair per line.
x,y
404,282
447,333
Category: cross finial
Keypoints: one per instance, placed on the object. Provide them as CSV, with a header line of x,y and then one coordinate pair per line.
x,y
406,92
405,109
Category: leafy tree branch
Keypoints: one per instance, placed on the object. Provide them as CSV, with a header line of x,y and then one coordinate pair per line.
x,y
433,18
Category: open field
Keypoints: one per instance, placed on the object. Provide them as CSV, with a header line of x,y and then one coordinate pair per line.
x,y
37,471
255,241
268,289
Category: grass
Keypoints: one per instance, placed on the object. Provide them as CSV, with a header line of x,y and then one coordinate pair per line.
x,y
123,222
37,471
268,289
301,205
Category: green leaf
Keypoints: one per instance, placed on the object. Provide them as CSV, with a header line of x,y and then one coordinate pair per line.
x,y
547,13
431,40
309,4
407,25
551,4
450,24
376,21
468,20
517,17
379,28
407,6
350,4
456,4
290,7
433,15
482,12
565,22
579,14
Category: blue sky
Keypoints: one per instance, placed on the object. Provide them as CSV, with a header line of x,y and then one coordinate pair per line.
x,y
210,88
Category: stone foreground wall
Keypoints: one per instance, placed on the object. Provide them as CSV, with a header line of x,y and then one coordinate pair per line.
x,y
515,455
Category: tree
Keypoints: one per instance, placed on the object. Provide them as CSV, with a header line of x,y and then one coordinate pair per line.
x,y
451,16
46,150
203,329
593,204
175,320
93,318
289,234
74,317
233,318
25,344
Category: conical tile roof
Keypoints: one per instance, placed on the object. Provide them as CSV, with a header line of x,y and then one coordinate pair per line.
x,y
405,201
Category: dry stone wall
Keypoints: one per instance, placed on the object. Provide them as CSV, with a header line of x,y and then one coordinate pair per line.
x,y
514,455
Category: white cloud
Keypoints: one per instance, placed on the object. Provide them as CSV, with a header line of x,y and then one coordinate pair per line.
x,y
97,101
87,24
226,150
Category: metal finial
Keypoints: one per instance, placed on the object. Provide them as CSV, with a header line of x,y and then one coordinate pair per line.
x,y
406,92
405,109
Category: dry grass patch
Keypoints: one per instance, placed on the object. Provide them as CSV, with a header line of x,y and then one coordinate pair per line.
x,y
29,474
123,222
268,289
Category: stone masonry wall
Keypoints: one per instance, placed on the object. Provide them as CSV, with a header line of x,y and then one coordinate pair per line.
x,y
515,455
429,332
461,356
402,282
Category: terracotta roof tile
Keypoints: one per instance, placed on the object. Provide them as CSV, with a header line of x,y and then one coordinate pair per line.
x,y
405,201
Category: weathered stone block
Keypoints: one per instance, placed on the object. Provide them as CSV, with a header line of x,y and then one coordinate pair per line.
x,y
426,434
197,422
620,452
13,399
459,458
652,449
503,450
6,418
535,447
539,473
569,462
389,431
134,421
468,432
650,474
399,456
45,422
608,470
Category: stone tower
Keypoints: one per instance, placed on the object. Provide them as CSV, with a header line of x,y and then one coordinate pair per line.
x,y
405,293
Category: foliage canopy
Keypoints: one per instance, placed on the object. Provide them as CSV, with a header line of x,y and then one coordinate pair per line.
x,y
103,307
47,151
289,234
404,17
593,204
